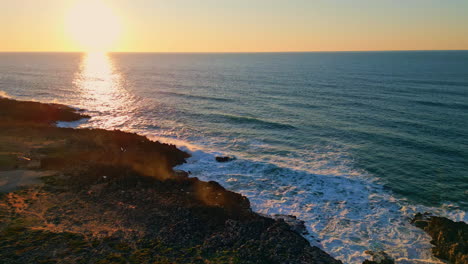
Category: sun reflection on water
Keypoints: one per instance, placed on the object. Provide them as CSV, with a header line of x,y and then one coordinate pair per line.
x,y
102,91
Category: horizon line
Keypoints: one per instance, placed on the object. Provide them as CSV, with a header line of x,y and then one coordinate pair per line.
x,y
237,52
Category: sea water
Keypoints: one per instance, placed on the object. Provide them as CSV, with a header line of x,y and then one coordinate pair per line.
x,y
353,143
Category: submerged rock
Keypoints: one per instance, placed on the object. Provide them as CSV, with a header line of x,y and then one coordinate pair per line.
x,y
379,257
224,158
450,239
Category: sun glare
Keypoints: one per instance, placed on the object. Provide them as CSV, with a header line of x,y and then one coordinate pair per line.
x,y
93,26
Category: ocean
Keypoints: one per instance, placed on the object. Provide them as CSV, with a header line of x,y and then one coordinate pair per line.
x,y
353,143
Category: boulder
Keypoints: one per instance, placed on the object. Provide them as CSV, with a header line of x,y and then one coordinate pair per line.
x,y
450,239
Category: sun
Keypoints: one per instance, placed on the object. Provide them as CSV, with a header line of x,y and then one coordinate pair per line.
x,y
93,26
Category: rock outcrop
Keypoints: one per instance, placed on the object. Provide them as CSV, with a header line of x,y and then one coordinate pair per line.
x,y
37,112
115,198
450,239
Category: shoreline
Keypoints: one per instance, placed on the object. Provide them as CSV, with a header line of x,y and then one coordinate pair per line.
x,y
115,198
230,201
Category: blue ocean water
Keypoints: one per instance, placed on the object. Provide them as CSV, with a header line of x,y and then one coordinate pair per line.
x,y
351,142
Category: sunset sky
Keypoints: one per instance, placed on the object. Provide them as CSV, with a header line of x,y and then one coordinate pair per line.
x,y
232,26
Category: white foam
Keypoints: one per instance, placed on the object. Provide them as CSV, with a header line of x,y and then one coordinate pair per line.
x,y
346,211
346,214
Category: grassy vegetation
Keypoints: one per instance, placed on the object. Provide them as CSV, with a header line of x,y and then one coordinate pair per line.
x,y
48,224
22,245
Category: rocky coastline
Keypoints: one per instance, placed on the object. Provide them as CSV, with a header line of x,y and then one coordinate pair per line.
x,y
450,239
98,196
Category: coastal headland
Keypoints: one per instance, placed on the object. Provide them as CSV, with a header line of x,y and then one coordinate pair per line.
x,y
98,196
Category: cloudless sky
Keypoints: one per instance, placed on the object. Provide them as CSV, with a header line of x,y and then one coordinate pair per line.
x,y
246,25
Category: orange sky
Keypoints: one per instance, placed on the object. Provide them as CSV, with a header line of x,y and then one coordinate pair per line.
x,y
232,26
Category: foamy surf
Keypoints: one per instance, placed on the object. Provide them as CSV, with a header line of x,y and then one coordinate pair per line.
x,y
346,211
344,214
298,133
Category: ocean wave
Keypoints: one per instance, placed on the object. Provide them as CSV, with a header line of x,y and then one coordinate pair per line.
x,y
345,214
436,82
253,121
298,105
442,105
196,96
345,211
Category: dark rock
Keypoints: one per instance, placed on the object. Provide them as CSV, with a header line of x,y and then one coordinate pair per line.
x,y
296,225
379,257
424,217
421,224
181,173
224,158
37,112
450,239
